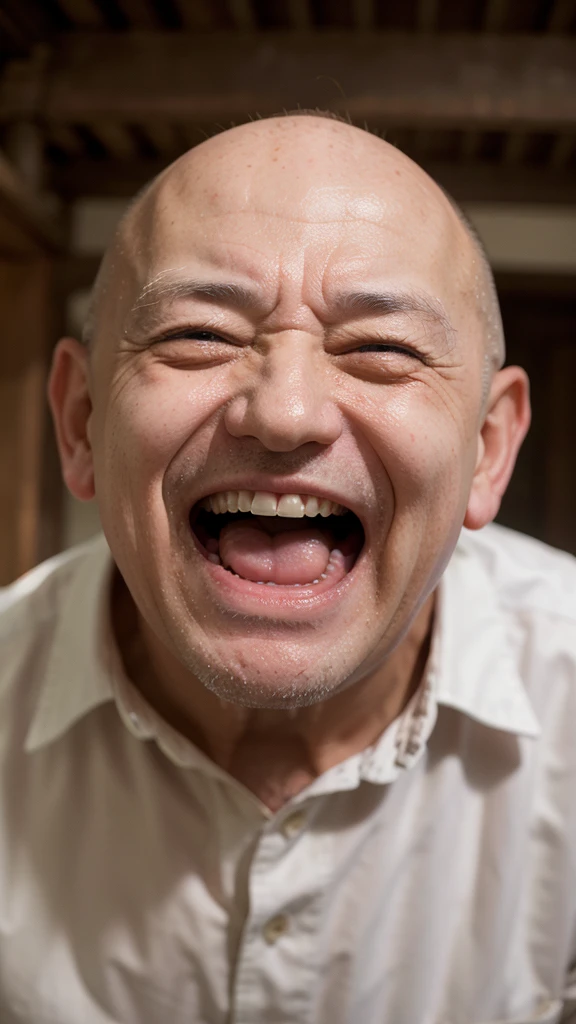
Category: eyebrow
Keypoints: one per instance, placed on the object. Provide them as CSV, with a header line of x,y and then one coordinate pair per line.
x,y
147,309
370,303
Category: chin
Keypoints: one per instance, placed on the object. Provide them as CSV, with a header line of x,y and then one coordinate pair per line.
x,y
274,674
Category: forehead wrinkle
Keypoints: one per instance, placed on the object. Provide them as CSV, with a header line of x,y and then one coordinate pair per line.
x,y
285,216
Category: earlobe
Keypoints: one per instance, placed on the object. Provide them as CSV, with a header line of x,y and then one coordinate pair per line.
x,y
505,426
71,405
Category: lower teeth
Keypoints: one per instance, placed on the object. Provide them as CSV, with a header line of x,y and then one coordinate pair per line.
x,y
268,583
215,559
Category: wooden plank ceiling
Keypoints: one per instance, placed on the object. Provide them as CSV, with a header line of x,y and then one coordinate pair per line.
x,y
481,92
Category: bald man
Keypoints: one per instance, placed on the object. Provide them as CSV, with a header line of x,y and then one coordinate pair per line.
x,y
294,744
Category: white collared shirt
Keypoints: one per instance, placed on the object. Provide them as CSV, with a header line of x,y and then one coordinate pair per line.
x,y
430,879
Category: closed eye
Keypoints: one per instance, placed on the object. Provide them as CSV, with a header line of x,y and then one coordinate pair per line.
x,y
190,334
382,347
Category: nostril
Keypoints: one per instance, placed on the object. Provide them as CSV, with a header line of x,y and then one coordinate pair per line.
x,y
235,416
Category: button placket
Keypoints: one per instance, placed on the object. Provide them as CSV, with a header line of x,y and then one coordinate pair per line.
x,y
274,930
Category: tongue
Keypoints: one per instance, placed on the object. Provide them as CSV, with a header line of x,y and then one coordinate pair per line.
x,y
289,557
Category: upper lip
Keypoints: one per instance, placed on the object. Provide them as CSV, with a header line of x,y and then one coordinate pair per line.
x,y
282,485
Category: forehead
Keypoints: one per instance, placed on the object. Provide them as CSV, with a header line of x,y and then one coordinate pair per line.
x,y
352,210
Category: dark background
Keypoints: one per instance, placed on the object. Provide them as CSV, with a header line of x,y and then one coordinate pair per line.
x,y
539,314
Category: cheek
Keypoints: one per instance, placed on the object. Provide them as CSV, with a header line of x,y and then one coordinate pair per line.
x,y
422,442
148,421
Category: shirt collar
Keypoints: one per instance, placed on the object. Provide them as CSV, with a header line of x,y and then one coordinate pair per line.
x,y
471,666
84,668
82,660
474,668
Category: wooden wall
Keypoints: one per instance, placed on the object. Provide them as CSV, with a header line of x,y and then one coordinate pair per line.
x,y
30,492
539,316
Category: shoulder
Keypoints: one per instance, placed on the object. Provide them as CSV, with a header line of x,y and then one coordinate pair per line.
x,y
531,590
30,609
34,593
528,576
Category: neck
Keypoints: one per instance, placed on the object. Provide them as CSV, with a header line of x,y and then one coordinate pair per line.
x,y
274,753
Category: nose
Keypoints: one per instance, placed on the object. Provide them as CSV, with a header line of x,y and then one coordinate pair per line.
x,y
288,403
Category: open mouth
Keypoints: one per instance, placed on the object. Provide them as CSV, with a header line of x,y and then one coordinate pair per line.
x,y
283,540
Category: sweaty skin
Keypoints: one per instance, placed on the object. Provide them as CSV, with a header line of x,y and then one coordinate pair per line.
x,y
290,307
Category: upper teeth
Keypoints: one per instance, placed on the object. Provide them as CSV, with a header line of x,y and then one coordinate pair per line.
x,y
264,503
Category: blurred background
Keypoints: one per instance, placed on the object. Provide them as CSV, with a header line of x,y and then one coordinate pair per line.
x,y
97,96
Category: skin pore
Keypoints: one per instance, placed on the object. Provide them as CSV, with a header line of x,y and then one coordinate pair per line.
x,y
294,307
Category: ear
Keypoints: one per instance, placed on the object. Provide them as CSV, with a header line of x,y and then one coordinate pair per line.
x,y
71,405
505,426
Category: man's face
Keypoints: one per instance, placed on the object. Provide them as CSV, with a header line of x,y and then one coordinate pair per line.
x,y
343,365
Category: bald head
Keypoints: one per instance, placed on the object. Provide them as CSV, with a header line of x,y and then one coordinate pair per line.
x,y
309,155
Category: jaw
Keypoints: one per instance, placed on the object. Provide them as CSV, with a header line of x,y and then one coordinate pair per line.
x,y
272,646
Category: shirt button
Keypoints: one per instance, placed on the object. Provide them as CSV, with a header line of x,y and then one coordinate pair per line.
x,y
293,824
275,928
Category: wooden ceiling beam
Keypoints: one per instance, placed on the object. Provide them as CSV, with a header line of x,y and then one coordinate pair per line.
x,y
562,149
196,14
426,15
139,13
299,15
420,81
12,33
364,14
470,145
163,137
83,13
515,147
484,182
65,138
420,144
561,15
242,14
23,207
24,146
474,181
494,15
115,138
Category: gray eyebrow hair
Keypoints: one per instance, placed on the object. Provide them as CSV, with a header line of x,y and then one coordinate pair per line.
x,y
166,288
147,307
360,303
